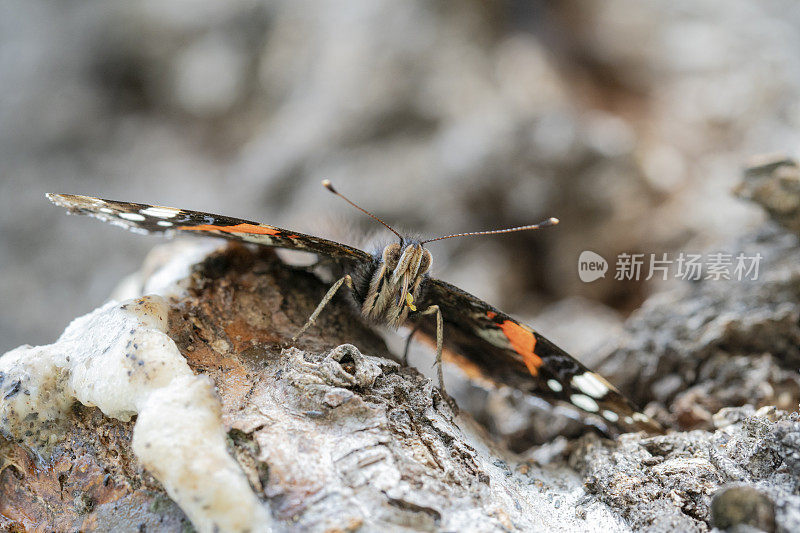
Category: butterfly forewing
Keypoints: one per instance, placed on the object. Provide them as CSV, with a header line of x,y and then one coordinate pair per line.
x,y
143,218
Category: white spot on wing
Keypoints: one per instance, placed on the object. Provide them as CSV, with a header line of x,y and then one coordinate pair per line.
x,y
260,239
554,385
160,212
639,417
611,416
584,402
591,384
134,217
106,210
164,223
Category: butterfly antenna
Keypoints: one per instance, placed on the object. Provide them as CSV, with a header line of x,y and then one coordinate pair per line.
x,y
327,184
552,221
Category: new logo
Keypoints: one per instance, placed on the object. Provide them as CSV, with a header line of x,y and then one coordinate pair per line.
x,y
591,266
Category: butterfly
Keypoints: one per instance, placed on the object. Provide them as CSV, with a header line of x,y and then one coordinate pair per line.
x,y
393,286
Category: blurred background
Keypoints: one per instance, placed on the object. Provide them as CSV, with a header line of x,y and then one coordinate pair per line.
x,y
628,120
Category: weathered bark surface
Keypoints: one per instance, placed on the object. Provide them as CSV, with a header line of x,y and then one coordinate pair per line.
x,y
329,438
333,435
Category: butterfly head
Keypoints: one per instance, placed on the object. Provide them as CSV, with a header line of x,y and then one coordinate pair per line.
x,y
406,261
394,284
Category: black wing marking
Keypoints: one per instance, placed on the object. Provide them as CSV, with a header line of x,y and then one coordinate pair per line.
x,y
511,353
144,218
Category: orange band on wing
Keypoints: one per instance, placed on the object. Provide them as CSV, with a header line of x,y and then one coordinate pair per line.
x,y
523,341
238,228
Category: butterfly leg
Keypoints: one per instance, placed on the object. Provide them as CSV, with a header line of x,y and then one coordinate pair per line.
x,y
327,298
439,339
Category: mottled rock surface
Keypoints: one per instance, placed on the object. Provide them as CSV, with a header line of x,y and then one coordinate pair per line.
x,y
668,483
332,433
773,182
328,437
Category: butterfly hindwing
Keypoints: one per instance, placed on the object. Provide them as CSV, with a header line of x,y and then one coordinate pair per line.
x,y
144,218
509,352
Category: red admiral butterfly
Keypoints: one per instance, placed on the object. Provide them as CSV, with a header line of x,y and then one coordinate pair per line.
x,y
393,287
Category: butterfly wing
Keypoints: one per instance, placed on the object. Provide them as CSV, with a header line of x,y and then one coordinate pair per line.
x,y
502,349
143,218
489,341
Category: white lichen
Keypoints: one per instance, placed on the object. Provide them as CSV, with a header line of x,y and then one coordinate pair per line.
x,y
120,359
